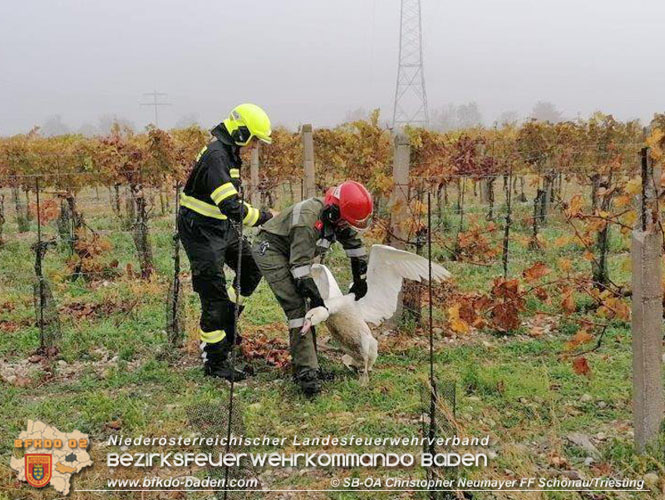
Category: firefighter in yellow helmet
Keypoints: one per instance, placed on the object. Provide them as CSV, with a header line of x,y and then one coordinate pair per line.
x,y
210,211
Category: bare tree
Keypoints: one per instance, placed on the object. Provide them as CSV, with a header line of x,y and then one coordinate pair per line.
x,y
453,117
54,126
508,118
106,123
355,115
545,111
88,130
187,120
468,115
444,118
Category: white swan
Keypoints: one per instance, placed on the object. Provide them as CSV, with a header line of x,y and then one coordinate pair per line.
x,y
347,318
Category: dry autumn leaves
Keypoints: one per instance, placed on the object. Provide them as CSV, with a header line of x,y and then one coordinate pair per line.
x,y
503,309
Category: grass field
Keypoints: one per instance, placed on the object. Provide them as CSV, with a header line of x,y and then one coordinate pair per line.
x,y
111,376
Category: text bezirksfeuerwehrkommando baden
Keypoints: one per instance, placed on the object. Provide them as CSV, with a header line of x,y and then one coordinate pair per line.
x,y
315,459
180,458
265,440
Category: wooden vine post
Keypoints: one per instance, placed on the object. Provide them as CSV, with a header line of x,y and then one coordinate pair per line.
x,y
175,327
506,229
2,217
46,311
647,311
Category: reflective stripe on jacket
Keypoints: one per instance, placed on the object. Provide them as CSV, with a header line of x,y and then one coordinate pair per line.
x,y
300,225
213,184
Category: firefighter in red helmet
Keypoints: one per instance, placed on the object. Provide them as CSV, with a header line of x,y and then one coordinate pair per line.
x,y
291,242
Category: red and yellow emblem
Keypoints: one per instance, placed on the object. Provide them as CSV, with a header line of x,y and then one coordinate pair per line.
x,y
38,469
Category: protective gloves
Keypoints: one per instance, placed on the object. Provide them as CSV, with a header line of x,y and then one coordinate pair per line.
x,y
359,271
307,288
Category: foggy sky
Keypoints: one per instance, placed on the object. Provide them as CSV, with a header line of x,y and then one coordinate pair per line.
x,y
315,60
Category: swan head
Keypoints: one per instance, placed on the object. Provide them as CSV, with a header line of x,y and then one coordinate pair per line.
x,y
314,317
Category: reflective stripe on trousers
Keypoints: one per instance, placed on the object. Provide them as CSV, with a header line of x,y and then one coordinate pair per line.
x,y
296,323
212,337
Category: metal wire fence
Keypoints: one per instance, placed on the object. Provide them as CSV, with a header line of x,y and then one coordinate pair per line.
x,y
93,234
96,232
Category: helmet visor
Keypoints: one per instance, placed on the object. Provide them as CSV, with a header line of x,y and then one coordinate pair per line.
x,y
242,135
244,132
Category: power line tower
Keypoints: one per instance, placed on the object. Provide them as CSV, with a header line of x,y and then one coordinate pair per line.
x,y
410,96
155,102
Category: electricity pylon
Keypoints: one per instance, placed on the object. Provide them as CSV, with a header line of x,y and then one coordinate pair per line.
x,y
410,96
155,102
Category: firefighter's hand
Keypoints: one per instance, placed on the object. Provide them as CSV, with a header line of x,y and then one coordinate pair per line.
x,y
359,271
359,289
274,213
307,289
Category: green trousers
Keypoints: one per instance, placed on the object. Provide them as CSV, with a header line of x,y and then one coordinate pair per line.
x,y
271,253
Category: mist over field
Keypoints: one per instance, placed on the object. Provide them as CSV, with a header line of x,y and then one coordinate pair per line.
x,y
322,62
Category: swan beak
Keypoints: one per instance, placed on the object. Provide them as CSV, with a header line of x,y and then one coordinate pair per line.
x,y
305,327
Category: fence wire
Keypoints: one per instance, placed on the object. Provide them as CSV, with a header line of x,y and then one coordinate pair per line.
x,y
43,253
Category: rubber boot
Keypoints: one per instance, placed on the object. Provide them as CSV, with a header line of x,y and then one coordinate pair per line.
x,y
308,381
217,362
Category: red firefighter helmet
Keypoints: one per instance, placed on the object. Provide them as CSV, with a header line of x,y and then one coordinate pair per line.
x,y
354,203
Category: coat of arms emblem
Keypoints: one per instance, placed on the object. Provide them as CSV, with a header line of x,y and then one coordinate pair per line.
x,y
38,469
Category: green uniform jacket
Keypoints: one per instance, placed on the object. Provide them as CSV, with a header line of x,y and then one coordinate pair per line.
x,y
307,236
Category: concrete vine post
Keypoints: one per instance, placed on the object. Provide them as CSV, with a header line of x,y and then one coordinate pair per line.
x,y
308,161
399,199
647,311
255,195
408,307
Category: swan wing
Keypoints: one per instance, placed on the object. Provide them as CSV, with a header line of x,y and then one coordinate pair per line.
x,y
387,269
325,282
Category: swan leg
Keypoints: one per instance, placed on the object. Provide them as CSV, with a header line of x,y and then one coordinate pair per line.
x,y
348,361
371,359
372,354
364,372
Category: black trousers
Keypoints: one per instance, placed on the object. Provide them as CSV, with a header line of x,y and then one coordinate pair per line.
x,y
209,244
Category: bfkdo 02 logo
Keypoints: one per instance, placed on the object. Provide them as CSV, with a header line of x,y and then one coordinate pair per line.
x,y
50,456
